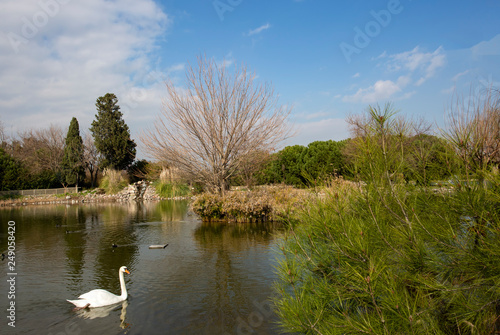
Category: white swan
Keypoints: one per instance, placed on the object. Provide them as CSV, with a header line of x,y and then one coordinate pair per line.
x,y
100,298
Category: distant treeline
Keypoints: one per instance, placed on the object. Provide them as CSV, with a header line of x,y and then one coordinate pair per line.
x,y
33,161
426,160
47,158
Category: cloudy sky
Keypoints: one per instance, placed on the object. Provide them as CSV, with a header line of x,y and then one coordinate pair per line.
x,y
327,58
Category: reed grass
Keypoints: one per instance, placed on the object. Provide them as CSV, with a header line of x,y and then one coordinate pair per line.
x,y
171,190
113,181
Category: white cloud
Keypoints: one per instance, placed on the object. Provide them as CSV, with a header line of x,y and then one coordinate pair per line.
x,y
177,67
227,61
382,55
487,48
322,130
458,75
449,90
259,29
381,90
310,116
421,64
80,52
412,66
356,75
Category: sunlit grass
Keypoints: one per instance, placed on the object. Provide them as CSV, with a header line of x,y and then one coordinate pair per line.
x,y
171,190
113,181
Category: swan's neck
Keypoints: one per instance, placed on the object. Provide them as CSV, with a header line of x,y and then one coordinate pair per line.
x,y
122,285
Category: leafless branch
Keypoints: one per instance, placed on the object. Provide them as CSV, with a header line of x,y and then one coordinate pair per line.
x,y
206,129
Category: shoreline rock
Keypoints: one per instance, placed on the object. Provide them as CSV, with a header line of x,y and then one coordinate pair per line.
x,y
139,191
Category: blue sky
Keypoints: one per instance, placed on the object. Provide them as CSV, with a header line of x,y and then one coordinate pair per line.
x,y
328,59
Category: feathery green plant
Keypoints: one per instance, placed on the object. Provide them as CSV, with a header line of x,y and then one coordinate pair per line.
x,y
390,257
171,190
113,181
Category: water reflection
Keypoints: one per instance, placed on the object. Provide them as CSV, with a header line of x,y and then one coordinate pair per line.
x,y
230,248
102,312
211,279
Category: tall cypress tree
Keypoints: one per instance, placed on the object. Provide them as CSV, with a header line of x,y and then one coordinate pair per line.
x,y
111,134
73,170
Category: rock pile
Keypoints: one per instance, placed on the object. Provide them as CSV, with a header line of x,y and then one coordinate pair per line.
x,y
134,191
150,194
141,190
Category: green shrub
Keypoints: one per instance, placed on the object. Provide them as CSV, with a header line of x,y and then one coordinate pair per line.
x,y
209,207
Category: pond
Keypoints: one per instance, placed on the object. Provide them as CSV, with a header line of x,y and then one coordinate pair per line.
x,y
210,279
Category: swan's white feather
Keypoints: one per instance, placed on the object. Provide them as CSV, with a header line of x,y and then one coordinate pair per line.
x,y
79,303
100,298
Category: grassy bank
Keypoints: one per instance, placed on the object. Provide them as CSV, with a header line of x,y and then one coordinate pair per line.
x,y
262,204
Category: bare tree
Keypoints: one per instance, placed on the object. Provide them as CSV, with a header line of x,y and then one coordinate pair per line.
x,y
474,128
40,149
222,116
251,164
91,157
3,136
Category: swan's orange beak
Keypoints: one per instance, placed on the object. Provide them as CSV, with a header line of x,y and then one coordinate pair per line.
x,y
127,271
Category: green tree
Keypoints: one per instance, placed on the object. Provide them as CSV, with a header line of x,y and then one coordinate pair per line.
x,y
12,173
288,167
112,135
300,166
390,257
138,170
73,171
324,159
429,158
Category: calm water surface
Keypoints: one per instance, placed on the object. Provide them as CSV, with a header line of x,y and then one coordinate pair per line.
x,y
211,279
